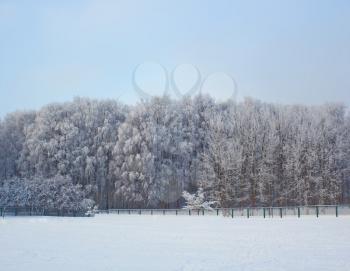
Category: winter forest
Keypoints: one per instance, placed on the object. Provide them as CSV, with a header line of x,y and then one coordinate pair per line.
x,y
77,154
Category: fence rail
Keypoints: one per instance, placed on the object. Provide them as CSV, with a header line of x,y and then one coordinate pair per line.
x,y
265,212
298,211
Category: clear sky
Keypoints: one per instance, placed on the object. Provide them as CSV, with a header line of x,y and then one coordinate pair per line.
x,y
278,51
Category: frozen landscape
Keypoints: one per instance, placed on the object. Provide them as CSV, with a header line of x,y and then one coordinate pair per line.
x,y
175,135
133,242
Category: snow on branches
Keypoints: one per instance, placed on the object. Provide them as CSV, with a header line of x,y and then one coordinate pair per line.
x,y
196,201
241,154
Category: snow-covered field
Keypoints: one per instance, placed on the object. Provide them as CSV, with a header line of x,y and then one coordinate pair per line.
x,y
132,242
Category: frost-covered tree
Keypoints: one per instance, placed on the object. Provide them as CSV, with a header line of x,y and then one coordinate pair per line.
x,y
54,194
13,130
74,140
239,154
197,201
131,167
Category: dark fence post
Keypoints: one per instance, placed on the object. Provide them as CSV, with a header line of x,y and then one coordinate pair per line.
x,y
336,210
232,213
281,212
217,212
203,211
247,212
264,212
317,211
299,212
176,212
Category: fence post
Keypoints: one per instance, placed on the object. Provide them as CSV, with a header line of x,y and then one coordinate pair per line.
x,y
316,211
163,212
217,212
281,212
264,212
298,212
189,211
336,210
203,211
176,212
152,212
247,212
232,213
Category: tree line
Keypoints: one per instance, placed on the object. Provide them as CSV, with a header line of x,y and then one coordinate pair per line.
x,y
249,153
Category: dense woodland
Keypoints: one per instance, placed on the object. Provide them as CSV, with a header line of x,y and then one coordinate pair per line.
x,y
239,154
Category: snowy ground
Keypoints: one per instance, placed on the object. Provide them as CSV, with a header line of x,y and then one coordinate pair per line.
x,y
132,242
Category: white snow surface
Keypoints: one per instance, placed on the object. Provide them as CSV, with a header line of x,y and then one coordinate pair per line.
x,y
144,242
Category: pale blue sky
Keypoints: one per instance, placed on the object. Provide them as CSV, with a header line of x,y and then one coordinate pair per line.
x,y
278,51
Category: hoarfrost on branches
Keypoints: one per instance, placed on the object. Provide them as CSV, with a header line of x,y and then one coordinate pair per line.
x,y
145,156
